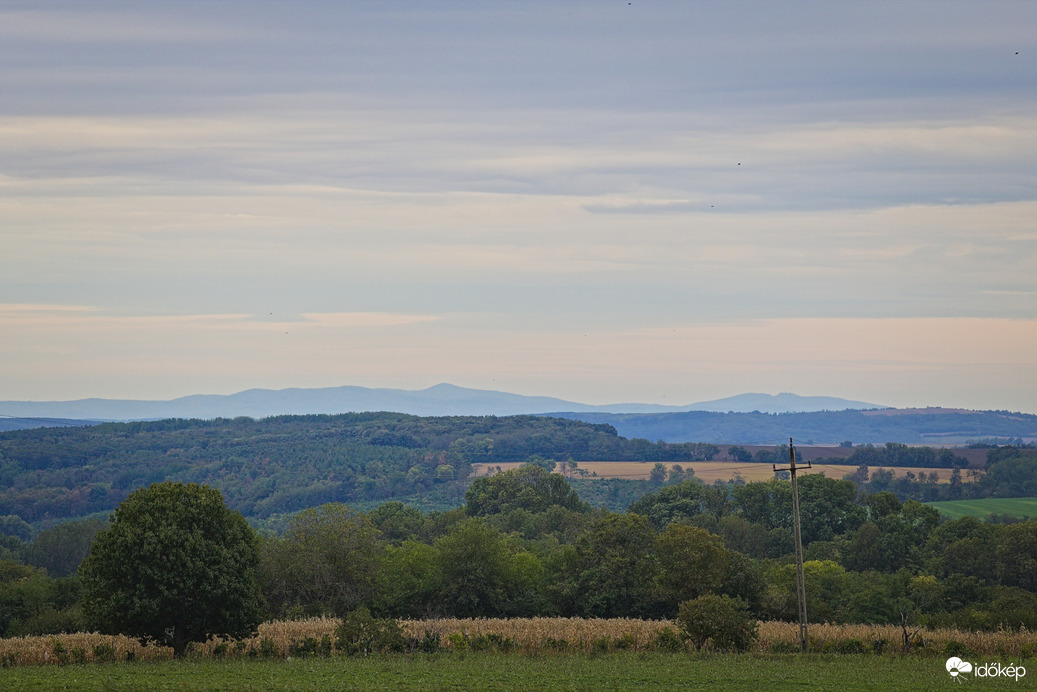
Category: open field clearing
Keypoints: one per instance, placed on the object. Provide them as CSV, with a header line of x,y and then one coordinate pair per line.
x,y
1016,506
491,671
709,471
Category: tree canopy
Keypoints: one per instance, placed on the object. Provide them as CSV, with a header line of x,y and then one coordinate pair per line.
x,y
176,565
530,487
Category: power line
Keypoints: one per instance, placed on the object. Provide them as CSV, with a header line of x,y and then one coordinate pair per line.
x,y
801,589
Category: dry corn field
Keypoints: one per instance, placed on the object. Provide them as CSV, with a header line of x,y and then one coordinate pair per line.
x,y
526,635
77,648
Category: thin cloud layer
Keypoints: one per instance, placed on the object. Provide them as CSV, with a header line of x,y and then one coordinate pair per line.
x,y
460,192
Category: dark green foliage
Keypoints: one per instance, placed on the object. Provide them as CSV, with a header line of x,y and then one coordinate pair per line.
x,y
287,463
176,563
104,653
15,527
397,522
311,646
530,487
616,567
409,581
483,575
32,603
323,564
666,639
360,633
692,562
722,621
60,549
676,502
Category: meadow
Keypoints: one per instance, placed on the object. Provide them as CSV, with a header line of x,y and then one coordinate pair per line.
x,y
494,671
1016,506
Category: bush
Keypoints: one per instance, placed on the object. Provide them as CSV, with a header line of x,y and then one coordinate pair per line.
x,y
310,647
267,649
104,653
428,644
782,647
360,633
667,639
724,622
850,646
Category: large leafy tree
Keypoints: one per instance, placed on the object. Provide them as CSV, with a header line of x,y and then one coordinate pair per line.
x,y
616,566
483,574
324,564
692,561
528,487
175,565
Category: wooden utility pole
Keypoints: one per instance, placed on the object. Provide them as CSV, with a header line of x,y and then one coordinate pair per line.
x,y
801,589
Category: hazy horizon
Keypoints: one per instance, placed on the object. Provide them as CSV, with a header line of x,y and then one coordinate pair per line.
x,y
651,202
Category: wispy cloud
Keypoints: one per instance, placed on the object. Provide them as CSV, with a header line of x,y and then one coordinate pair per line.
x,y
465,191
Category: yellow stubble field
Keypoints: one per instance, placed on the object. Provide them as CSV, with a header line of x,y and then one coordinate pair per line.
x,y
706,471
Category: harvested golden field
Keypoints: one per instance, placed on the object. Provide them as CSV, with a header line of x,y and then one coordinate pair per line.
x,y
709,471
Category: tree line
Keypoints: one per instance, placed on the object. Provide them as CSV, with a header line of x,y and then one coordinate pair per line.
x,y
523,543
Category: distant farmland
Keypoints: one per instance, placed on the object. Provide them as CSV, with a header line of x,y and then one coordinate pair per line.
x,y
709,471
1015,506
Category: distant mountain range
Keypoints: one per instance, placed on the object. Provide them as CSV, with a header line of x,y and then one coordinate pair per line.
x,y
440,400
743,419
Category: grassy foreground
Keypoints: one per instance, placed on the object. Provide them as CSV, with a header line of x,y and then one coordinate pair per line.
x,y
490,671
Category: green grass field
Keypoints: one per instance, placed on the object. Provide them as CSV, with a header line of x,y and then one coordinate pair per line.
x,y
1016,506
618,671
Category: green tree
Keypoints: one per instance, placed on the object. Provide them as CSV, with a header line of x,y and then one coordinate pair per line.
x,y
397,522
692,562
409,581
658,474
14,526
617,566
324,563
481,575
529,487
1017,555
32,603
60,549
739,454
175,565
672,503
723,621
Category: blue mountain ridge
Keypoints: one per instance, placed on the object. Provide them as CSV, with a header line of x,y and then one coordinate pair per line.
x,y
439,400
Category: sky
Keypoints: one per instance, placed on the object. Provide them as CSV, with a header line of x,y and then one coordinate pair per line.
x,y
660,202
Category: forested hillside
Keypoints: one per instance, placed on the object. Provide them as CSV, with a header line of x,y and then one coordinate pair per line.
x,y
287,463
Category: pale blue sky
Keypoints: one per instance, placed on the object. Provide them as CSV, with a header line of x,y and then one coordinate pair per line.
x,y
601,201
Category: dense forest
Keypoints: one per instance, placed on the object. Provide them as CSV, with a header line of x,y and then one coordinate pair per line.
x,y
287,463
273,467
